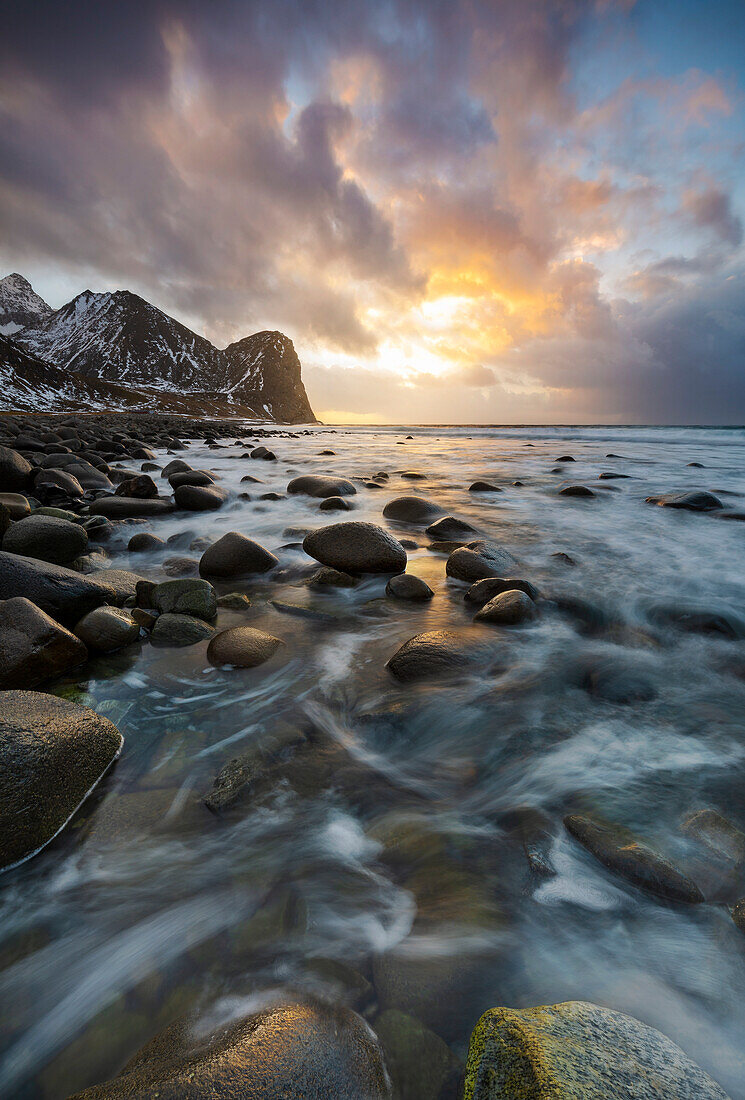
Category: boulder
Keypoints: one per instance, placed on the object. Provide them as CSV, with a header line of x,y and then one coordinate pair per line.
x,y
144,541
356,547
477,560
421,1065
483,487
242,646
200,498
129,507
191,477
577,1049
62,593
123,583
313,1051
107,628
333,504
186,597
696,501
234,555
15,471
176,630
60,480
621,852
16,504
52,754
325,577
405,586
431,655
450,529
508,609
482,591
717,833
177,465
141,487
33,647
180,566
576,491
47,538
414,510
313,485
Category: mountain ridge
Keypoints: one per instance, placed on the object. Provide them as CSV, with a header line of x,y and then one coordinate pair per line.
x,y
115,342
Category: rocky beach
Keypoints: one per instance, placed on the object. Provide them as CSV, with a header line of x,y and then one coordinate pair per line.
x,y
322,746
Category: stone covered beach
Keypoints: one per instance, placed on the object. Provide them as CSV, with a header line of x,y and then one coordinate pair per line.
x,y
370,763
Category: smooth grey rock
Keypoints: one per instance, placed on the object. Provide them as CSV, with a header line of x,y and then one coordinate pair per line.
x,y
314,485
449,528
356,547
16,504
144,541
46,538
234,555
106,629
52,754
62,593
482,591
696,501
507,609
186,597
430,655
15,471
33,647
411,509
129,507
178,631
406,586
242,647
200,498
479,559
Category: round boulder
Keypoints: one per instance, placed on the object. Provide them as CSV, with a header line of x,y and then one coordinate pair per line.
x,y
415,510
200,498
143,541
483,591
15,471
313,485
52,754
33,647
335,504
430,655
234,555
186,597
356,547
242,646
507,609
477,560
314,1051
697,501
46,538
141,487
448,529
178,631
107,628
405,586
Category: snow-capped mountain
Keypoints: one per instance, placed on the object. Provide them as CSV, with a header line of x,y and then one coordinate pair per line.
x,y
20,305
266,373
120,341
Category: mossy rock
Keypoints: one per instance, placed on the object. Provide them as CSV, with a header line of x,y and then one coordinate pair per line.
x,y
421,1065
578,1051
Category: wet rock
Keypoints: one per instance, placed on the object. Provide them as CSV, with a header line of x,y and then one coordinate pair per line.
x,y
107,628
415,510
234,601
414,475
129,507
421,1065
15,471
609,476
698,620
483,487
186,597
62,593
356,547
145,619
335,504
534,829
483,591
589,618
33,647
191,477
326,577
180,567
565,559
621,852
52,753
577,1049
617,680
450,528
59,482
145,593
405,586
176,466
178,631
508,609
121,581
313,1051
430,655
576,491
232,782
478,560
697,501
243,647
314,485
16,505
234,555
47,538
141,487
738,914
144,541
200,498
717,833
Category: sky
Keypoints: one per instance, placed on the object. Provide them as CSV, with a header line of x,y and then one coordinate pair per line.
x,y
513,211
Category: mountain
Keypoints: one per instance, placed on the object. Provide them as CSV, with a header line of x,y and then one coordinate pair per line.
x,y
120,340
20,305
266,372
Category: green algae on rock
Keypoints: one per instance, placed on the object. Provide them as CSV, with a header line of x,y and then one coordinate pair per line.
x,y
578,1051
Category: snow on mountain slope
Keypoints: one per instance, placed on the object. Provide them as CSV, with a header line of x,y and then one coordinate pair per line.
x,y
266,371
20,305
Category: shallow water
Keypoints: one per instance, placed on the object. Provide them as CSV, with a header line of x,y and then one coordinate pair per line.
x,y
388,850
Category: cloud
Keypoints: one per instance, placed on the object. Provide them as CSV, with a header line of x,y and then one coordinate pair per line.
x,y
711,209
